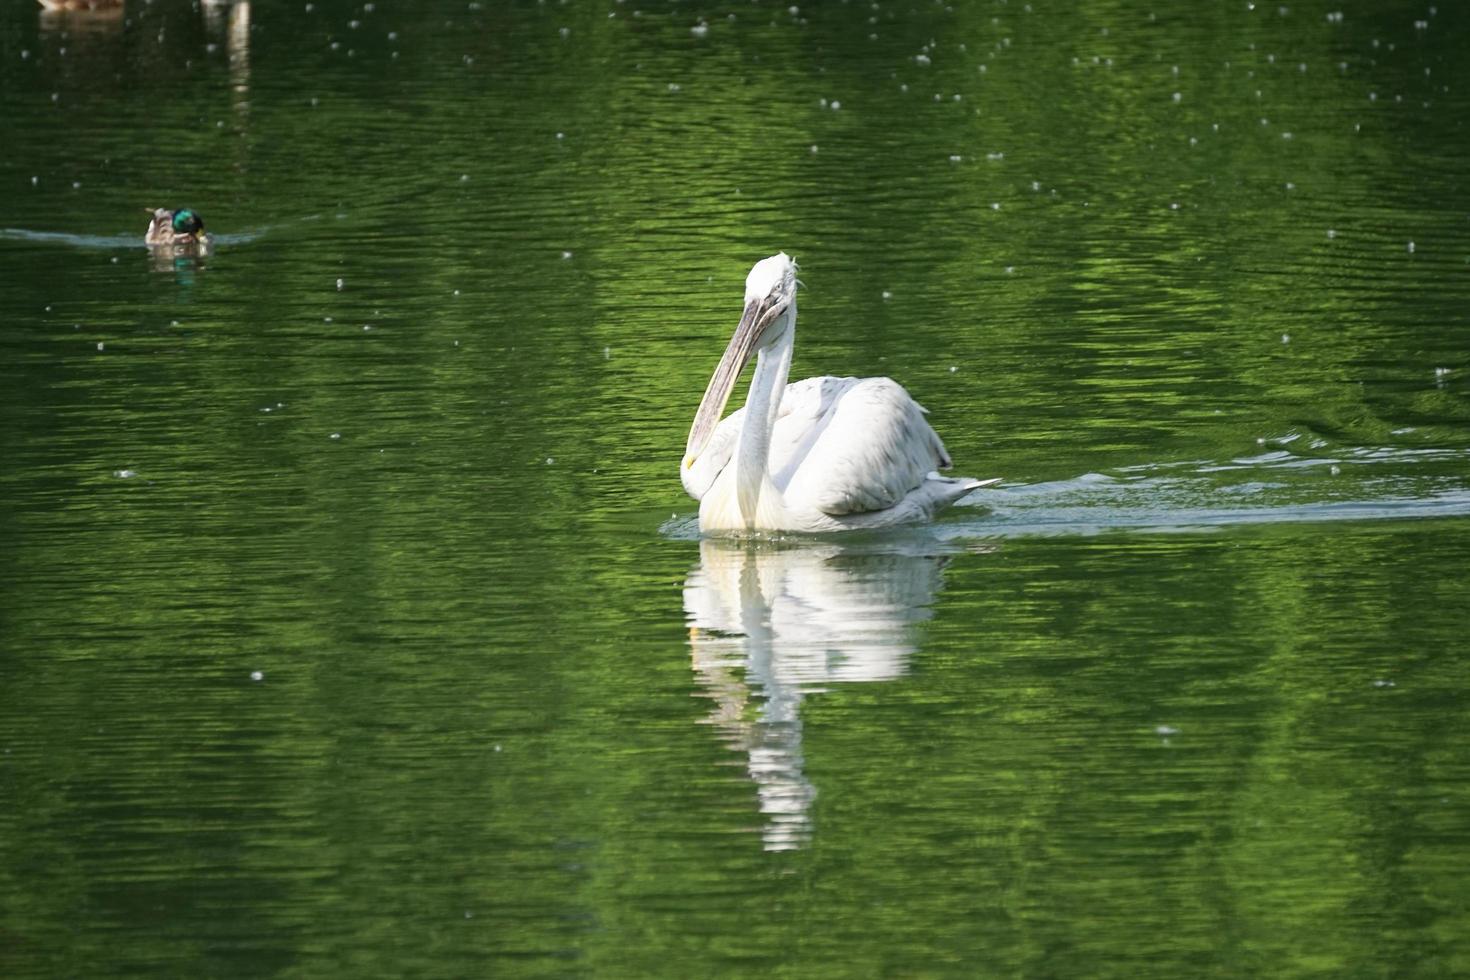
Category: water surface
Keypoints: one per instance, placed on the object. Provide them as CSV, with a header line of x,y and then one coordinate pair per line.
x,y
354,622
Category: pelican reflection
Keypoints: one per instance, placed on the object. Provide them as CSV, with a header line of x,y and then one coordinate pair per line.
x,y
773,622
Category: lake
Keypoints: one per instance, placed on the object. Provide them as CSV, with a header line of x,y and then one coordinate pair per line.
x,y
355,623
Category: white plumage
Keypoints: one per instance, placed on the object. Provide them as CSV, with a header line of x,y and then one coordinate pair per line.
x,y
824,454
773,622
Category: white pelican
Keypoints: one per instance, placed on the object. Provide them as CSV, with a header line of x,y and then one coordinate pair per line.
x,y
824,454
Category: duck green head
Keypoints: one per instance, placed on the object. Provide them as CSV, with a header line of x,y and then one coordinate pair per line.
x,y
187,222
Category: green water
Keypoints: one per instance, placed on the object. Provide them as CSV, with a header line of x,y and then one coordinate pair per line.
x,y
353,621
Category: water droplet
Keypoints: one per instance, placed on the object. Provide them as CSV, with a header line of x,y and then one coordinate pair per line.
x,y
340,284
335,435
257,675
124,474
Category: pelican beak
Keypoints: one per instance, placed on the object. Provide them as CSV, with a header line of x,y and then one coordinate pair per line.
x,y
759,314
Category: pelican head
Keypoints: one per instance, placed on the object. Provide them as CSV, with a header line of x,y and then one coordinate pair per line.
x,y
770,316
772,281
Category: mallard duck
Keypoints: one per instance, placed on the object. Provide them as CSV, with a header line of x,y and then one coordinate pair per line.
x,y
182,228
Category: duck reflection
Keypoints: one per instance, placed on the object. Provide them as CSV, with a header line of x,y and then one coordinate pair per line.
x,y
773,622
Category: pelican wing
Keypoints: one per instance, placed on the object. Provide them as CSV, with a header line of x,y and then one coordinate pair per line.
x,y
852,445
